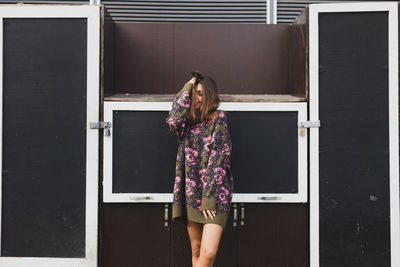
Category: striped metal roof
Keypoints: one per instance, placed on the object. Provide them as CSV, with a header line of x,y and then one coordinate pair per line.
x,y
212,11
226,11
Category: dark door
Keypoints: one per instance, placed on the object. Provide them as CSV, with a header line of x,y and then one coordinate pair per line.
x,y
272,235
49,159
134,235
354,158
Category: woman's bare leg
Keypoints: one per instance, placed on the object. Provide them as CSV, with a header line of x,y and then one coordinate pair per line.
x,y
195,231
209,244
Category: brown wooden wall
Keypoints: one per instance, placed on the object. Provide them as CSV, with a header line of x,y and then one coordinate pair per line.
x,y
157,58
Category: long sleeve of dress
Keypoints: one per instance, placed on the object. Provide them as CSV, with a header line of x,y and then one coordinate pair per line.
x,y
180,104
218,167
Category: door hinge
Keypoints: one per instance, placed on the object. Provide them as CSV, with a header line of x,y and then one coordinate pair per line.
x,y
106,125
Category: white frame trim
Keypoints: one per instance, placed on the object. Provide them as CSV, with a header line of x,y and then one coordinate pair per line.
x,y
92,13
314,10
272,11
300,107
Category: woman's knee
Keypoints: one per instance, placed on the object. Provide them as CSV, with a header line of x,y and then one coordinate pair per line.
x,y
195,248
210,240
208,253
195,232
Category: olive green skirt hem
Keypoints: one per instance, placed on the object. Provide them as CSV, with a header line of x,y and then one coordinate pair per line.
x,y
181,214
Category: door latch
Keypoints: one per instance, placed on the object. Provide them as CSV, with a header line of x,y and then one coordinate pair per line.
x,y
307,124
106,125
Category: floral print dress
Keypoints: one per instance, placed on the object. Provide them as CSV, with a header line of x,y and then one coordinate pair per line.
x,y
203,175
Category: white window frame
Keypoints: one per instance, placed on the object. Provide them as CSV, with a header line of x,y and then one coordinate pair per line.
x,y
92,13
314,10
300,196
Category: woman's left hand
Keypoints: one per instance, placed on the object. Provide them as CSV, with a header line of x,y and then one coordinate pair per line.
x,y
211,213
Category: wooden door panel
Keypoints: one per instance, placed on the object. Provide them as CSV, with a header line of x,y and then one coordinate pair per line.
x,y
134,235
273,235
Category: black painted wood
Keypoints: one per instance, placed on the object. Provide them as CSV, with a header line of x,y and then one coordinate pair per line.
x,y
264,151
144,152
44,138
353,139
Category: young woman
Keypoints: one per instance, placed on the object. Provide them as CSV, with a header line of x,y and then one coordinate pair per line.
x,y
203,186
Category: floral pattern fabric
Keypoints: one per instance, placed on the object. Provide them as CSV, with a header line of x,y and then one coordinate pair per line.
x,y
203,174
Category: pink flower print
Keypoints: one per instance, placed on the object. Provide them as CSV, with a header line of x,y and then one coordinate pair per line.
x,y
218,179
188,190
221,114
203,171
183,101
176,188
226,192
202,178
221,196
195,130
213,153
207,142
177,179
193,183
191,155
192,151
172,124
220,171
207,139
189,158
226,149
213,138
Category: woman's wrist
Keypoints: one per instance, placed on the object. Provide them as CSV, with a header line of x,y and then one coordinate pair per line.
x,y
187,87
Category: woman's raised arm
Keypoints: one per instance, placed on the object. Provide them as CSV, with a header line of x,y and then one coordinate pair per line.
x,y
180,105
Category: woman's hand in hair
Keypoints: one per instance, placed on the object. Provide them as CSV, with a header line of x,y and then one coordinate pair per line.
x,y
192,80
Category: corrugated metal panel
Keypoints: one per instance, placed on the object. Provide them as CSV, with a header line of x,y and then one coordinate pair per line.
x,y
228,11
288,10
225,11
45,2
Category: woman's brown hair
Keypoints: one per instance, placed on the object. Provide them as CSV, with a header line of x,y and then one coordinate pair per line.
x,y
210,102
